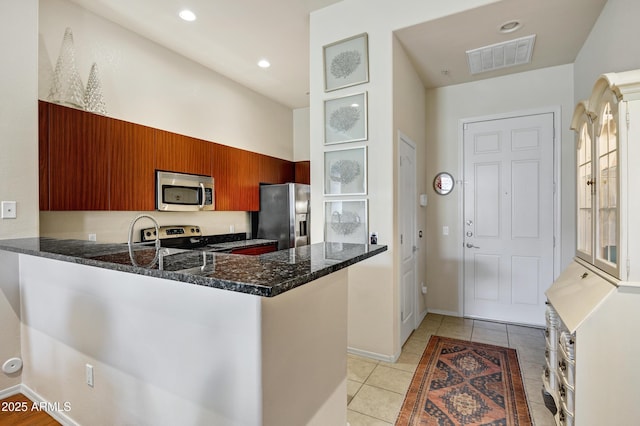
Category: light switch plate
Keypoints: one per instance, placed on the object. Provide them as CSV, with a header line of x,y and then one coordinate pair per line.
x,y
8,210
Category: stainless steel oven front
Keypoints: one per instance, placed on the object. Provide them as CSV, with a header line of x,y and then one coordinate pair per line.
x,y
184,192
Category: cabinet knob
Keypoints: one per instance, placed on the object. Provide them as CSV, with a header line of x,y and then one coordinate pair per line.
x,y
591,182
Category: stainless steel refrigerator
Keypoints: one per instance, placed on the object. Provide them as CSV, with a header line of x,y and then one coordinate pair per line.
x,y
284,214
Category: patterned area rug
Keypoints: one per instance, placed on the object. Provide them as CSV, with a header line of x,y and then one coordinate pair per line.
x,y
465,383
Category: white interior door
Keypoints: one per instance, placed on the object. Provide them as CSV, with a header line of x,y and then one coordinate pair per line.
x,y
508,217
407,223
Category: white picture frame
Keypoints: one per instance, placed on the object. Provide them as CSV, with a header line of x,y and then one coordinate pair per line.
x,y
345,171
346,62
346,221
345,119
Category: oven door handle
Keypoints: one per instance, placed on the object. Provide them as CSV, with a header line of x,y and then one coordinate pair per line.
x,y
204,198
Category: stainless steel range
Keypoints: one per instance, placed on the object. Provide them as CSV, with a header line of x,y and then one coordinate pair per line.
x,y
175,236
190,237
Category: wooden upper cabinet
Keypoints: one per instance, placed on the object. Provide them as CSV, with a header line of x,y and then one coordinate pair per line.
x,y
275,170
236,174
93,162
78,160
43,153
132,183
182,154
303,172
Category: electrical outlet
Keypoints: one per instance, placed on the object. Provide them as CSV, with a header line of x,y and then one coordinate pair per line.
x,y
89,374
9,210
92,237
232,229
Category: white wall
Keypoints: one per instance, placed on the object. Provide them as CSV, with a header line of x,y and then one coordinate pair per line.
x,y
301,134
611,46
9,316
145,83
376,279
18,158
19,116
148,84
409,112
549,87
113,226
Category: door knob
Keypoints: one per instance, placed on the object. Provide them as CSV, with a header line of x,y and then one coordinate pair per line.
x,y
469,245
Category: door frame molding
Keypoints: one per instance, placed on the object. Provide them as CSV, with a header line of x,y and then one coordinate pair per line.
x,y
557,218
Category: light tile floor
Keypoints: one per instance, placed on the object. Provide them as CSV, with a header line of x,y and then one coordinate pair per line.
x,y
376,389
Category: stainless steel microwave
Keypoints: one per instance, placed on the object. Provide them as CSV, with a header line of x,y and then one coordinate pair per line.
x,y
183,192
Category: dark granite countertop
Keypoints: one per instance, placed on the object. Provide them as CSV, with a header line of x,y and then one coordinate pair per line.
x,y
232,245
266,275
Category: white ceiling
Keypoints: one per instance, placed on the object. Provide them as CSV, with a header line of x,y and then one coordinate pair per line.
x,y
437,48
231,36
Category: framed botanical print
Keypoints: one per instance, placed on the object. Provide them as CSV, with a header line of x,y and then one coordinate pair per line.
x,y
345,119
346,62
345,221
345,171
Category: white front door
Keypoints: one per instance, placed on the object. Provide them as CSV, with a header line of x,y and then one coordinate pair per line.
x,y
508,217
407,224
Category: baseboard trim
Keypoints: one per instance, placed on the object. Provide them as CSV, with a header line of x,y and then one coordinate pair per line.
x,y
13,390
422,316
59,416
447,313
373,355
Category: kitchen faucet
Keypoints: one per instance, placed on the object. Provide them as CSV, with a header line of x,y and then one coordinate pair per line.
x,y
157,240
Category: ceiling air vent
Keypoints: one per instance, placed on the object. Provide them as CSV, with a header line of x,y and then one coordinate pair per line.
x,y
501,55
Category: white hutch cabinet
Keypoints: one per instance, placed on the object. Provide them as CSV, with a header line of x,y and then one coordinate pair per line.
x,y
592,350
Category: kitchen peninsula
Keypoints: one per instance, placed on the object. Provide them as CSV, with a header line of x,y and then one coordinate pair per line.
x,y
199,338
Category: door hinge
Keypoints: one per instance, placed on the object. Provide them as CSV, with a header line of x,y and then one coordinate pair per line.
x,y
554,242
628,118
401,239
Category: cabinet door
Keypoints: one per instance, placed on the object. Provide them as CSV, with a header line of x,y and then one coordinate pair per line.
x,y
275,170
606,164
43,153
236,174
132,183
182,154
78,160
585,183
303,172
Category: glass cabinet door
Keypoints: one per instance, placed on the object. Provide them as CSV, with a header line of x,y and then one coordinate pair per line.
x,y
607,185
585,190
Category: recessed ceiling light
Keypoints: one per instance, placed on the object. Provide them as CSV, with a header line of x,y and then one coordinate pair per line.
x,y
187,15
510,26
263,63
